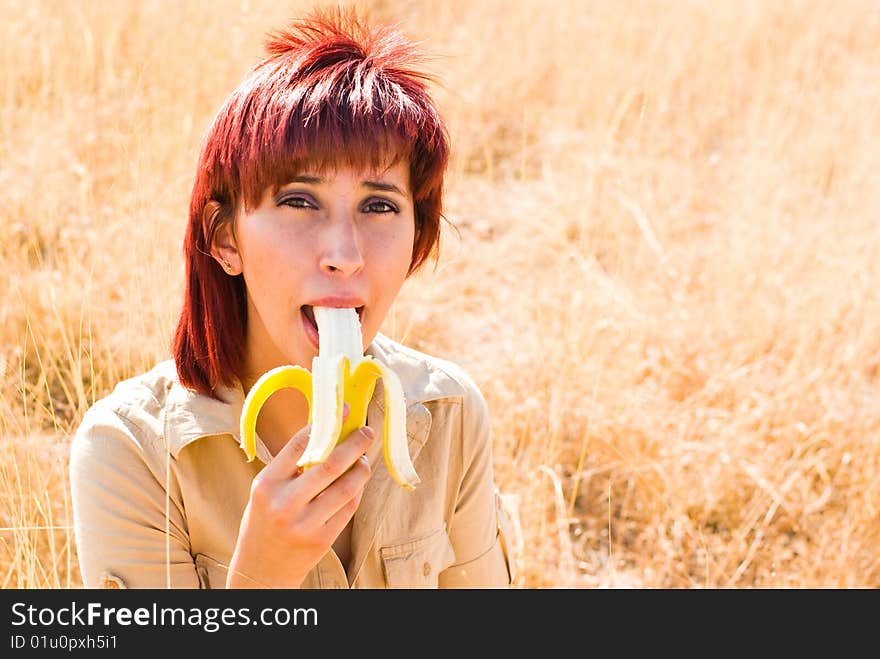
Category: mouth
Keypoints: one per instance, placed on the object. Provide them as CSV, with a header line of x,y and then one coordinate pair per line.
x,y
308,313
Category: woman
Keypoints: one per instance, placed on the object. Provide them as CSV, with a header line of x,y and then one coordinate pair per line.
x,y
319,183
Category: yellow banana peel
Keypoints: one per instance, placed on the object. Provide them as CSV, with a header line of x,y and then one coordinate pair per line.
x,y
340,373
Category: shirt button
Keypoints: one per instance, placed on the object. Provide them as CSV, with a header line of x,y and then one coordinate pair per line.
x,y
426,568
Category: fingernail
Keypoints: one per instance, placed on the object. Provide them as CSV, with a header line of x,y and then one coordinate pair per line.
x,y
345,409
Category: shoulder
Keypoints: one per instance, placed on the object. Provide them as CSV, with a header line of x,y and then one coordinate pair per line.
x,y
426,377
132,414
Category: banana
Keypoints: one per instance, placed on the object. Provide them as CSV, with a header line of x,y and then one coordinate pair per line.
x,y
341,373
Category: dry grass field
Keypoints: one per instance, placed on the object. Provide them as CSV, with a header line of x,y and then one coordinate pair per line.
x,y
664,277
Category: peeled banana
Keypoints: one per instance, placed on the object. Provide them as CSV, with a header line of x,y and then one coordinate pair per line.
x,y
340,373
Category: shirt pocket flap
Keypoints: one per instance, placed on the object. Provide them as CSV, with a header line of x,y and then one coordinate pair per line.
x,y
417,563
212,573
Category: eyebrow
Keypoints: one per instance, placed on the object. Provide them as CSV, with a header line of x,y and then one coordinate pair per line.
x,y
372,185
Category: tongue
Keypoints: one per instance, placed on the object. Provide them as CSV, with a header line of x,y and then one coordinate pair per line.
x,y
309,311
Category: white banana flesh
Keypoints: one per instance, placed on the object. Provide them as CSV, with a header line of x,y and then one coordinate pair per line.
x,y
342,373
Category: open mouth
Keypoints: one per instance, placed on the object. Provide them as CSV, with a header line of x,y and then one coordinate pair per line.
x,y
309,312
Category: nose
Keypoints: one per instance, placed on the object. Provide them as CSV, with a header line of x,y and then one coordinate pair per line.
x,y
342,251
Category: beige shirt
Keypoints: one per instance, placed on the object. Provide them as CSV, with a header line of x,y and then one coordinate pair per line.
x,y
159,484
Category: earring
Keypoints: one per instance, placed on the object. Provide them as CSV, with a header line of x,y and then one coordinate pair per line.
x,y
227,267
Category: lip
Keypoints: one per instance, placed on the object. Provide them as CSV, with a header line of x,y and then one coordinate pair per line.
x,y
337,302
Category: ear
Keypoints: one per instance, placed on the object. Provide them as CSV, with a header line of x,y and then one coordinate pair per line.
x,y
224,247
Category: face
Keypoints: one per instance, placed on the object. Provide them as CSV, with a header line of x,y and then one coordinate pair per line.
x,y
339,238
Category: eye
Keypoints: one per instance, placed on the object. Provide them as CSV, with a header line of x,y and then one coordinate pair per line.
x,y
380,206
296,202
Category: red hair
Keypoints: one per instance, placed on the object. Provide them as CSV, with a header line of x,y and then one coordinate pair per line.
x,y
331,90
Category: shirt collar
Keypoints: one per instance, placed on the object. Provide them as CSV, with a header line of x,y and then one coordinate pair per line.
x,y
190,416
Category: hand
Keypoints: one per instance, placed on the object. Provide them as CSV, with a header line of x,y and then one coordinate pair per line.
x,y
292,519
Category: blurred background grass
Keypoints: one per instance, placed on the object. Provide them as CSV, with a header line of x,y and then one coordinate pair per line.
x,y
664,277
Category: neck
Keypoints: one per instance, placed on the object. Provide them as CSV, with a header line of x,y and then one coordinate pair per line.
x,y
286,411
282,416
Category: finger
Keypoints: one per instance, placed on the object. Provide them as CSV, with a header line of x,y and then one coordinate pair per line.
x,y
283,465
336,523
343,494
345,489
296,446
317,478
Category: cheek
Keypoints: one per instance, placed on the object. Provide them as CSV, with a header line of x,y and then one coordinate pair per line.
x,y
273,263
263,264
394,263
399,246
391,258
269,248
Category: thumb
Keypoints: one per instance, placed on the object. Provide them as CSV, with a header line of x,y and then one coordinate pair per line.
x,y
284,462
286,459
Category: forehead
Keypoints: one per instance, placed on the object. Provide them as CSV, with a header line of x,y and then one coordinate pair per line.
x,y
397,169
369,155
392,169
